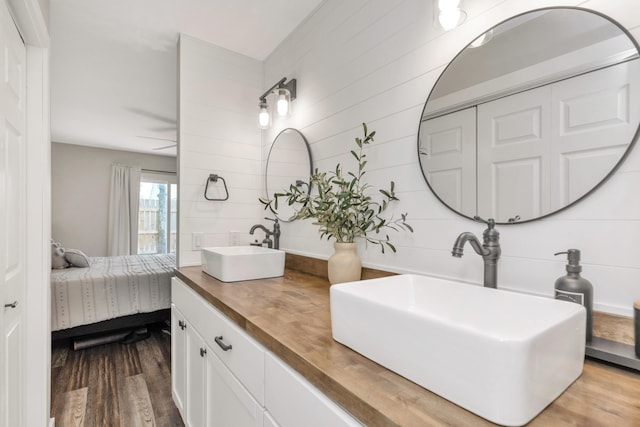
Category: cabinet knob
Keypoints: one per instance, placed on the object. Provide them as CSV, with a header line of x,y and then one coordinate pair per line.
x,y
203,351
182,324
222,345
12,305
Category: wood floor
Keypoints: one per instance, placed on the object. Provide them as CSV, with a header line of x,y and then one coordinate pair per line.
x,y
115,385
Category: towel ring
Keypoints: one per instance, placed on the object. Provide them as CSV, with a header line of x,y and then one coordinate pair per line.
x,y
214,178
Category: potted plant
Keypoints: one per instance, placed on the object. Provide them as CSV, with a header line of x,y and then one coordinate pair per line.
x,y
344,209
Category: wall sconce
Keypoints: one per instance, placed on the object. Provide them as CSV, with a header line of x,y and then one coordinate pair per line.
x,y
450,14
286,93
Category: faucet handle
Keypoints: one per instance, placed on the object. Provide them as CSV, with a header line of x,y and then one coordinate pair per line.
x,y
271,219
491,223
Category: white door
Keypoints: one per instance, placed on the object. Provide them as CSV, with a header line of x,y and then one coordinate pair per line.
x,y
514,139
594,118
448,158
12,218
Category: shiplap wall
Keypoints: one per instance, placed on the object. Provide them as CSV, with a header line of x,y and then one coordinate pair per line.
x,y
376,61
218,96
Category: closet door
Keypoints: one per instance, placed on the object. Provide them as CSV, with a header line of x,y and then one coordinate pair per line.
x,y
448,158
594,118
514,138
12,219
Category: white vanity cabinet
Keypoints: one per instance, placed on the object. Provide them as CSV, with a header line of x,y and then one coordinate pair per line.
x,y
205,389
220,376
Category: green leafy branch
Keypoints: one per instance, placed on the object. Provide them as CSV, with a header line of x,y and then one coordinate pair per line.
x,y
342,207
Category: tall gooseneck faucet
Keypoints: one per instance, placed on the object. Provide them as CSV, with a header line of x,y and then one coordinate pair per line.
x,y
275,244
489,250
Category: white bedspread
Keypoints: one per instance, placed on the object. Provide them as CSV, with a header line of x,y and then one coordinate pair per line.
x,y
110,287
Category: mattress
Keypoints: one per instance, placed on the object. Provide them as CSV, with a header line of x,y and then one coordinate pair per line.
x,y
110,287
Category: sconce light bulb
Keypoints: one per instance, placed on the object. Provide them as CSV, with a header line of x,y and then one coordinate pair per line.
x,y
282,105
263,116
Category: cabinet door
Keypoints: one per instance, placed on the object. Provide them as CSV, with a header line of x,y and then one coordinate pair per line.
x,y
293,401
196,353
228,401
178,359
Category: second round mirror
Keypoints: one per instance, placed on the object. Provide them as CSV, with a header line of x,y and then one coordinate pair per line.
x,y
289,163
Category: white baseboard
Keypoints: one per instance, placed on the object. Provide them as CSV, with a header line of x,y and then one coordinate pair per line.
x,y
52,422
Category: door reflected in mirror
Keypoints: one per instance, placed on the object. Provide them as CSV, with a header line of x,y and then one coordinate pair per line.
x,y
289,163
534,119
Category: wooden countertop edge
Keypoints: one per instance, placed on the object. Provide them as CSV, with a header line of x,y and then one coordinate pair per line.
x,y
391,410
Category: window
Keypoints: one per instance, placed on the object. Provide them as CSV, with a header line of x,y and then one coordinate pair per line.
x,y
157,213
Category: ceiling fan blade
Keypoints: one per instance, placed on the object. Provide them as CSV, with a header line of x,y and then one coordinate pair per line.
x,y
165,119
153,137
165,147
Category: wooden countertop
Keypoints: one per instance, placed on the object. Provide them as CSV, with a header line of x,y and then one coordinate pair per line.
x,y
290,316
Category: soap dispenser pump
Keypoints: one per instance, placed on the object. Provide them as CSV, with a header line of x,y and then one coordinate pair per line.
x,y
572,287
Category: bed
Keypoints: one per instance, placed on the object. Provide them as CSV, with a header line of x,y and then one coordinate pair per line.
x,y
111,293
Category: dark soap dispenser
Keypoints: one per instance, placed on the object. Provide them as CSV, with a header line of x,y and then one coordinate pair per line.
x,y
575,288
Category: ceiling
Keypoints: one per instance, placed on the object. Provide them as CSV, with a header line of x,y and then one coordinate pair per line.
x,y
114,63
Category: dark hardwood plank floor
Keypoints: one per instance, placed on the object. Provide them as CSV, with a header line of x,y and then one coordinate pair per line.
x,y
114,385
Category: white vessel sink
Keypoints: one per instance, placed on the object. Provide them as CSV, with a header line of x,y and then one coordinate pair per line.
x,y
501,355
236,263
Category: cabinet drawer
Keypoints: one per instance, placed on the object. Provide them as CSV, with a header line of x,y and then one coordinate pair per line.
x,y
193,306
293,401
243,355
245,358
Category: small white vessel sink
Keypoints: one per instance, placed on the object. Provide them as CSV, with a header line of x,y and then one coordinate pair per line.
x,y
501,355
236,263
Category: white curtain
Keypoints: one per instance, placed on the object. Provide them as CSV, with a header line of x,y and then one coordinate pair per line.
x,y
124,199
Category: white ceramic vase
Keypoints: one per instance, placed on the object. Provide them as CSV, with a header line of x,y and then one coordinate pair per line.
x,y
344,265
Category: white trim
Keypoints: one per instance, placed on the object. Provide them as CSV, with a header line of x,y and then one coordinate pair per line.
x,y
38,199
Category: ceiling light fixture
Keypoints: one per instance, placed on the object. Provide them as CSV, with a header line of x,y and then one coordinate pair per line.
x,y
286,92
450,14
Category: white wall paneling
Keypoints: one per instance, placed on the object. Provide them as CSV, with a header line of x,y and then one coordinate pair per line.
x,y
218,98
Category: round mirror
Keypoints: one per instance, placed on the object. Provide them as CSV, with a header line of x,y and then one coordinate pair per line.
x,y
289,163
531,116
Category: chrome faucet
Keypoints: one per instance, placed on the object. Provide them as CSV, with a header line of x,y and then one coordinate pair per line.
x,y
489,251
275,243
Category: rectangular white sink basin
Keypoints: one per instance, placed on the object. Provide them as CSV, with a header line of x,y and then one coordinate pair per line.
x,y
236,263
501,355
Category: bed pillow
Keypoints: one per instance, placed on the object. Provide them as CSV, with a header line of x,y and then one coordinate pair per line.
x,y
76,258
58,259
